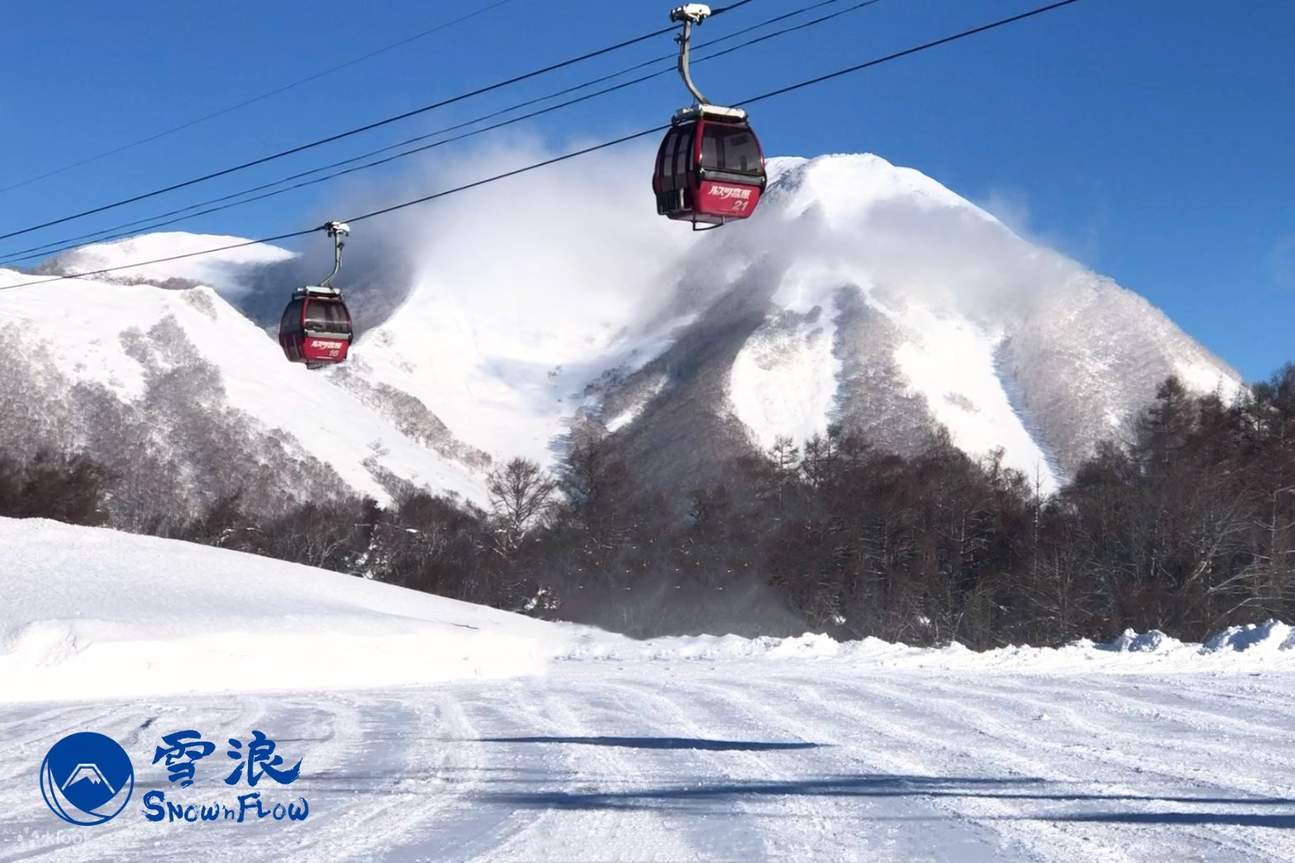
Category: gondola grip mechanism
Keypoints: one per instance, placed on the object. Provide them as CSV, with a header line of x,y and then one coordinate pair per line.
x,y
694,12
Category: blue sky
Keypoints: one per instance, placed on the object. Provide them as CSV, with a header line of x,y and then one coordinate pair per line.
x,y
1153,141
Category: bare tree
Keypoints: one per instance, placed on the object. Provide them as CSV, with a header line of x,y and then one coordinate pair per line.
x,y
520,495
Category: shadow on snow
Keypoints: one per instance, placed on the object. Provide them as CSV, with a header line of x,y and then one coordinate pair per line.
x,y
1231,819
661,743
701,795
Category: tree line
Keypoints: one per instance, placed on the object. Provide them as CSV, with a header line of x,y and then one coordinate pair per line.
x,y
1186,525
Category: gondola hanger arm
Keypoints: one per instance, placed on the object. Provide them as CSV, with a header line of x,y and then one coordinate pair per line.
x,y
689,14
338,231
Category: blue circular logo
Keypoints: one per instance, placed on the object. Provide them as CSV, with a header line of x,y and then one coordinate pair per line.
x,y
87,778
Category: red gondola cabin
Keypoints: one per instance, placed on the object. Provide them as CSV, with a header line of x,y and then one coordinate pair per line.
x,y
710,168
316,327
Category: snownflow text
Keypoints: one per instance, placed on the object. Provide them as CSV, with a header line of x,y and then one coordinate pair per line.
x,y
249,807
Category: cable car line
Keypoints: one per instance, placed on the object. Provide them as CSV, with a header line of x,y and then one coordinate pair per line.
x,y
218,204
624,139
974,31
149,223
306,231
201,252
69,243
725,180
671,56
332,176
252,100
357,130
558,93
663,57
1002,22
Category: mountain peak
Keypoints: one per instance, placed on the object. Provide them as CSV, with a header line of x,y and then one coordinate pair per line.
x,y
868,295
847,184
227,270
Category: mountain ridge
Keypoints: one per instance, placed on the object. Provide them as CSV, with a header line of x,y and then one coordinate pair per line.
x,y
862,294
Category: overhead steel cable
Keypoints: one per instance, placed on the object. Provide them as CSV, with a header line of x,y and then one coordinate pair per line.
x,y
151,222
673,55
328,177
771,94
260,97
300,148
200,253
926,46
218,204
305,231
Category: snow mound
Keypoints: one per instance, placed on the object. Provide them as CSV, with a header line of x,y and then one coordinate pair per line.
x,y
1144,642
597,645
93,613
1265,646
1267,637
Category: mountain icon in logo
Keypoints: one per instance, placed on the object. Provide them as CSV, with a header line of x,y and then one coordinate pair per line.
x,y
87,778
87,773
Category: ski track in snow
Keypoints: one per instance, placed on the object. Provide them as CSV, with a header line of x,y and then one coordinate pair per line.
x,y
727,760
431,729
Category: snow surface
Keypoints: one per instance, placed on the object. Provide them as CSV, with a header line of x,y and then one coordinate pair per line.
x,y
952,363
632,412
94,613
784,380
430,729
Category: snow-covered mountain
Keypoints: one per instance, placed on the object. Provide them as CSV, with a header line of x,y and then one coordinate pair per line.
x,y
183,396
871,296
862,293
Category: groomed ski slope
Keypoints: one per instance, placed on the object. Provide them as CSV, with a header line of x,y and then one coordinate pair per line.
x,y
481,735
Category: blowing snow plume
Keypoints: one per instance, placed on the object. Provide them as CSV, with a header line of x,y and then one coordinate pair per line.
x,y
556,263
520,292
905,239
